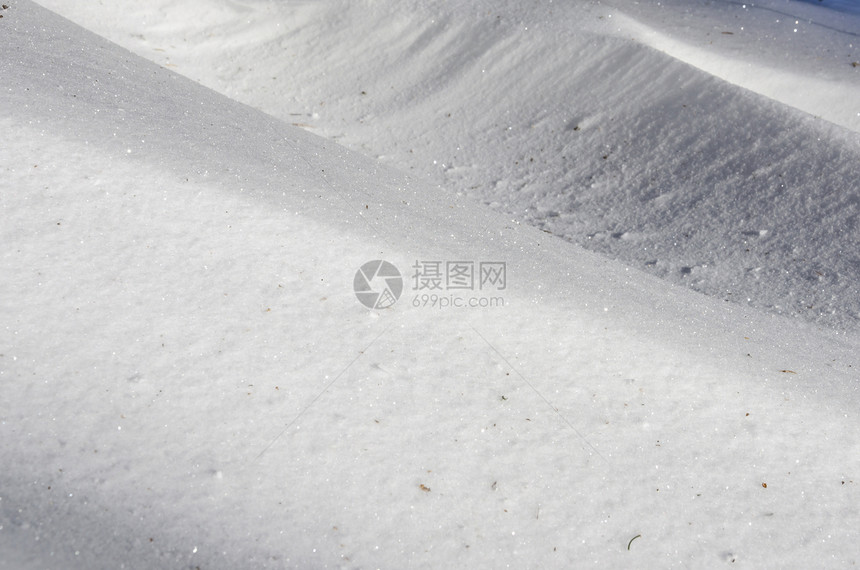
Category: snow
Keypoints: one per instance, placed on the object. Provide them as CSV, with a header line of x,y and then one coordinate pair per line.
x,y
558,116
188,379
788,51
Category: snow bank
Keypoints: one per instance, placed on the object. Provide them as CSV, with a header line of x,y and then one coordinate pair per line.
x,y
559,116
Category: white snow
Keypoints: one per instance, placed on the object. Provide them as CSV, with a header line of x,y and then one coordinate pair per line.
x,y
800,54
188,380
558,116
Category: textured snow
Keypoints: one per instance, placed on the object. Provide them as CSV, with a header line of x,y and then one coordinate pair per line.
x,y
557,115
187,379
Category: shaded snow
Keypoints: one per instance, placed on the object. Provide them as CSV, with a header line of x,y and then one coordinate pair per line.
x,y
558,116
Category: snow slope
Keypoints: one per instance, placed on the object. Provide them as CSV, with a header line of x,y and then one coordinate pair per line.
x,y
188,380
561,116
805,55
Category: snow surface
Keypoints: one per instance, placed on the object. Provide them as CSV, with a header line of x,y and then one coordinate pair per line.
x,y
557,115
187,380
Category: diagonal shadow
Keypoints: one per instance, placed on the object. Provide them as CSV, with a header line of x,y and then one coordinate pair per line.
x,y
321,392
536,391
